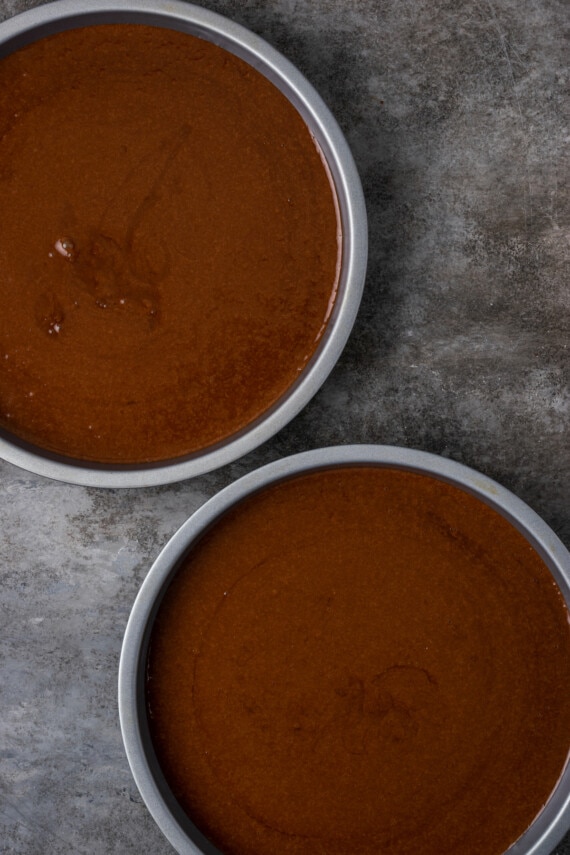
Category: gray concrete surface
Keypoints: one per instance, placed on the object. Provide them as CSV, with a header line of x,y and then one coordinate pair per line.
x,y
457,113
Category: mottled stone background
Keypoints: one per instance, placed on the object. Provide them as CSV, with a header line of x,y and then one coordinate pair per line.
x,y
457,113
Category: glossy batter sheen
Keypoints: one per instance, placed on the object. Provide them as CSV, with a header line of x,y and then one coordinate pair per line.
x,y
362,661
169,243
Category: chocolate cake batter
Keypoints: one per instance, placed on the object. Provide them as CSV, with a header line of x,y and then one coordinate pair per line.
x,y
169,244
361,661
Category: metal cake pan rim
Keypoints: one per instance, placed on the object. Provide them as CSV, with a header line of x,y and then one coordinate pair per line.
x,y
65,14
553,821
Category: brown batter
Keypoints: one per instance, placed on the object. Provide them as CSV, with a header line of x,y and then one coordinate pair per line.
x,y
169,244
362,661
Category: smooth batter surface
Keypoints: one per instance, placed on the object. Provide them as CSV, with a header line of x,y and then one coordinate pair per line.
x,y
362,661
169,244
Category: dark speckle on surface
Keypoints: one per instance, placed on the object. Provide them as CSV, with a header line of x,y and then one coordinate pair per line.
x,y
457,115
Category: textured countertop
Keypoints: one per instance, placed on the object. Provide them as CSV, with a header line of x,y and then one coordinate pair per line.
x,y
457,114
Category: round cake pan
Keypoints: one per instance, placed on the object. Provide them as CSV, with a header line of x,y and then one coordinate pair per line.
x,y
552,822
62,15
